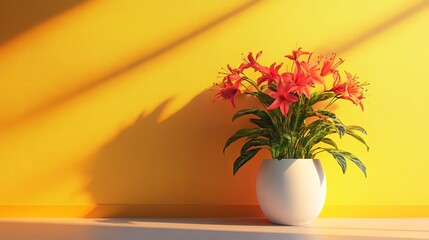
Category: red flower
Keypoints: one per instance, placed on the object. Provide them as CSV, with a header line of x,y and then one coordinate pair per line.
x,y
338,87
282,98
301,82
350,90
296,54
271,75
228,91
328,65
311,70
233,77
251,62
234,70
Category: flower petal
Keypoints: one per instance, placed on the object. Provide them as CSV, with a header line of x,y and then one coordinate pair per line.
x,y
284,107
291,97
232,100
274,105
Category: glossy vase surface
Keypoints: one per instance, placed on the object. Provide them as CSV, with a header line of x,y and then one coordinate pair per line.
x,y
291,191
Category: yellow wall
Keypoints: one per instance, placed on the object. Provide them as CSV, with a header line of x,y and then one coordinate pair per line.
x,y
107,102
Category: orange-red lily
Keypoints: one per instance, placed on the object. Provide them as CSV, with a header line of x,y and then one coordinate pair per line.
x,y
301,82
282,98
251,62
329,65
296,54
311,70
351,89
228,91
271,75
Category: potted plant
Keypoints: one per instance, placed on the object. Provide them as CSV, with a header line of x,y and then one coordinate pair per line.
x,y
293,122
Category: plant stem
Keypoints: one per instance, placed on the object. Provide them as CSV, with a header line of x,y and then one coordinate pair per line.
x,y
252,83
245,87
333,100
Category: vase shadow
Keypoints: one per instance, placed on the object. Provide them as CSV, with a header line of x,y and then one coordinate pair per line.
x,y
175,161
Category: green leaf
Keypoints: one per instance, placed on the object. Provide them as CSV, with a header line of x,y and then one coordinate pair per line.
x,y
359,138
255,111
254,142
314,124
331,115
310,113
299,111
243,158
355,160
357,128
265,120
275,150
299,121
340,159
245,132
264,98
289,137
315,151
317,126
330,142
273,87
340,156
315,136
318,97
313,98
263,123
341,129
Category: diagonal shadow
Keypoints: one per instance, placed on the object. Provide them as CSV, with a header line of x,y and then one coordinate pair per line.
x,y
383,26
150,162
18,16
377,29
55,102
176,161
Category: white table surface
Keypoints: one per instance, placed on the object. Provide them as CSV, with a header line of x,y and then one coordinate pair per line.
x,y
212,228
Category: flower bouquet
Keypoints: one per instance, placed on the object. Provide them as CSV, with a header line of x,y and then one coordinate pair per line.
x,y
294,120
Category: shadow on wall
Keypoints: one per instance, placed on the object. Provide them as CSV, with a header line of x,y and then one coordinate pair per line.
x,y
384,25
18,16
177,161
105,77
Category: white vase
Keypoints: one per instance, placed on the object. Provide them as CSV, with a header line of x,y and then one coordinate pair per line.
x,y
291,191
